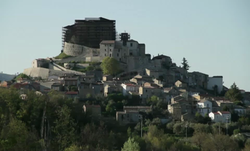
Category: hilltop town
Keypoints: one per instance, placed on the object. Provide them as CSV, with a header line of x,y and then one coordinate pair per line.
x,y
141,87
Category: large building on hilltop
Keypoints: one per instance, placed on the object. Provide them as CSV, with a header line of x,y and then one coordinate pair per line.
x,y
89,32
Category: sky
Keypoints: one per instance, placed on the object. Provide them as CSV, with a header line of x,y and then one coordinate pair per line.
x,y
213,35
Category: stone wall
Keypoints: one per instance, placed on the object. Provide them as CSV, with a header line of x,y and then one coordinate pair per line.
x,y
76,50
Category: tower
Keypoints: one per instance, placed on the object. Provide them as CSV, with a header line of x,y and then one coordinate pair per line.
x,y
124,37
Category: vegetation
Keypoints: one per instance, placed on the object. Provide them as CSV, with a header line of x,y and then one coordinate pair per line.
x,y
53,122
234,94
22,75
62,55
185,64
110,66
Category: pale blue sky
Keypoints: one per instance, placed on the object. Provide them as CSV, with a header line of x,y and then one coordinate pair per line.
x,y
213,35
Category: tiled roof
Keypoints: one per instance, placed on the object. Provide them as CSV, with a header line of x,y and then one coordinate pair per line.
x,y
108,42
225,112
71,93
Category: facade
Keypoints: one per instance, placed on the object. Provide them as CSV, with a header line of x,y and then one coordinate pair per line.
x,y
42,63
180,84
93,110
89,32
215,81
148,89
200,79
131,114
241,111
204,107
129,89
161,61
220,116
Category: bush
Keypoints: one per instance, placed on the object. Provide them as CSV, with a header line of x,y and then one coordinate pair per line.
x,y
236,131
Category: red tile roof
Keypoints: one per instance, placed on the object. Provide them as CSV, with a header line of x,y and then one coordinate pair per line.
x,y
71,93
225,112
130,84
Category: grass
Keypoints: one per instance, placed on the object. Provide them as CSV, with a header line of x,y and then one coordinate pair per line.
x,y
62,56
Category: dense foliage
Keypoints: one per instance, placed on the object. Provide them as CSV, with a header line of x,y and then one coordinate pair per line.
x,y
110,66
54,122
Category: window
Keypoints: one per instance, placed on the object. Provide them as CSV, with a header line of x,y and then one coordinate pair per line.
x,y
146,90
131,44
117,54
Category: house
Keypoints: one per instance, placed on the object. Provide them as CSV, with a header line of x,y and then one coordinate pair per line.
x,y
155,73
141,79
131,114
93,110
128,117
129,88
241,111
224,103
69,82
57,87
161,61
220,116
71,94
201,79
93,89
107,78
112,87
215,83
204,107
180,108
88,78
149,89
5,84
180,84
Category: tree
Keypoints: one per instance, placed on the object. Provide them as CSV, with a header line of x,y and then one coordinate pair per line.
x,y
131,145
110,66
64,129
185,64
234,93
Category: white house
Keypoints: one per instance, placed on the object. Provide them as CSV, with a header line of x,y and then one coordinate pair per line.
x,y
220,116
129,88
213,81
204,107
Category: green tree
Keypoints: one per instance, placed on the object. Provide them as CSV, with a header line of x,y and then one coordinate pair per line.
x,y
131,145
15,136
234,93
110,66
64,129
185,64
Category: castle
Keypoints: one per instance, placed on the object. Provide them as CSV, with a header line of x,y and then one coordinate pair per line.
x,y
130,53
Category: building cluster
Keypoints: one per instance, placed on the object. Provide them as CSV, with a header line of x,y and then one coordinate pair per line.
x,y
185,93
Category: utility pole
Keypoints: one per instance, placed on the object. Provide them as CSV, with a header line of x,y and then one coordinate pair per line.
x,y
186,129
227,125
219,127
141,124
